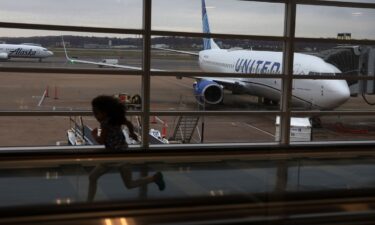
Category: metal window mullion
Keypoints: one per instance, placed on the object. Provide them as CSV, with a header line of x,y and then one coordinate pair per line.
x,y
216,35
266,1
47,27
334,113
211,74
288,57
337,77
69,71
213,113
334,41
146,72
337,3
56,113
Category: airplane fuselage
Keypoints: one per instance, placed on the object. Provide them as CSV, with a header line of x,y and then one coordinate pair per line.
x,y
8,51
319,94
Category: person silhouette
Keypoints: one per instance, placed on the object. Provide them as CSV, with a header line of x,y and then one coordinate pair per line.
x,y
111,114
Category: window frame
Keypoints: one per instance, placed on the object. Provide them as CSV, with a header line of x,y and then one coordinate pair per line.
x,y
288,39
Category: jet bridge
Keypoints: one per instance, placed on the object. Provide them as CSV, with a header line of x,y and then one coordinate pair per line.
x,y
355,61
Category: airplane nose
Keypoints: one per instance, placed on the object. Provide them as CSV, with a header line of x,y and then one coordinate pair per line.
x,y
50,53
342,92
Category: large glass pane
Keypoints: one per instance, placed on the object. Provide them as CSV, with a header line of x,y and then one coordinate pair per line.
x,y
169,93
222,56
338,94
38,48
330,59
213,129
52,131
227,93
330,128
83,181
232,17
332,22
341,128
33,131
353,1
98,13
30,91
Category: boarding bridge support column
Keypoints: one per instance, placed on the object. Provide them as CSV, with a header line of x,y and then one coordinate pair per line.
x,y
367,68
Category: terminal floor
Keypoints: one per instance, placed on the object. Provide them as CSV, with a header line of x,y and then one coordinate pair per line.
x,y
67,182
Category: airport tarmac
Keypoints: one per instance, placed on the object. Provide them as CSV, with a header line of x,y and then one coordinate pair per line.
x,y
24,91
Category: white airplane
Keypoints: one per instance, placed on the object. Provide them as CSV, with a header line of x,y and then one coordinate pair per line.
x,y
8,51
312,94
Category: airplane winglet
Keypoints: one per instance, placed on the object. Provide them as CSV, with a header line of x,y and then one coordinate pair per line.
x,y
72,60
66,53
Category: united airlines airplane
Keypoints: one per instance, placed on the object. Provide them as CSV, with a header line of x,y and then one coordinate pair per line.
x,y
313,94
8,51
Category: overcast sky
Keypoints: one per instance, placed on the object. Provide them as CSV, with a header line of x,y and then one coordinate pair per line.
x,y
225,16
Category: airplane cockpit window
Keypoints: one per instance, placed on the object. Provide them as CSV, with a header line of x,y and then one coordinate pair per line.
x,y
321,74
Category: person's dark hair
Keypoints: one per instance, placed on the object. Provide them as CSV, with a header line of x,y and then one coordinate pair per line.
x,y
115,112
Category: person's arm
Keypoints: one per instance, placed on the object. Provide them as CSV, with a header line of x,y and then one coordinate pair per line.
x,y
100,139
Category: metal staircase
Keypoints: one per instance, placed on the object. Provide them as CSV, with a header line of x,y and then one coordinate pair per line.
x,y
185,128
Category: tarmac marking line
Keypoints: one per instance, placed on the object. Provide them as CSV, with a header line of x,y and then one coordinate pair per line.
x,y
258,129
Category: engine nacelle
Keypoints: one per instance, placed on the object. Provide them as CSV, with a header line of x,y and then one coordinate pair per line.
x,y
4,56
209,92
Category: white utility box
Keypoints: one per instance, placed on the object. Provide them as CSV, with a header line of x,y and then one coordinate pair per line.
x,y
300,129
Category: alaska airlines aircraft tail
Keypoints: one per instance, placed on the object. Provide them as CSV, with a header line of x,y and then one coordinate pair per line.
x,y
208,43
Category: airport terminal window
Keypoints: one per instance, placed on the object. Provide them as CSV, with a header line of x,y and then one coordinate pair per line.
x,y
237,79
331,21
111,13
226,17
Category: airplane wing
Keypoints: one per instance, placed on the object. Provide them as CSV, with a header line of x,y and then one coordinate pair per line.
x,y
178,51
102,64
226,82
71,60
220,80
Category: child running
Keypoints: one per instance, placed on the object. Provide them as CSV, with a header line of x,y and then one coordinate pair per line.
x,y
110,113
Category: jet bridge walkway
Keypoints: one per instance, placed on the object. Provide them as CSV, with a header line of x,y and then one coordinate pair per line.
x,y
354,61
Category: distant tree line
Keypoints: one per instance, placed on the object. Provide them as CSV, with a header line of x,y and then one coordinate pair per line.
x,y
172,42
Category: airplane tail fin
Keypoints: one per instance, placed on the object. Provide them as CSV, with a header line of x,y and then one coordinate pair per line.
x,y
208,43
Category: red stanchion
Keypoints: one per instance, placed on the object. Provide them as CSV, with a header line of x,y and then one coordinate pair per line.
x,y
47,92
164,130
55,97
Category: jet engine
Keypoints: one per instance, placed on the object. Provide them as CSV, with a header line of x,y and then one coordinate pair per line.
x,y
3,55
209,92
